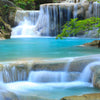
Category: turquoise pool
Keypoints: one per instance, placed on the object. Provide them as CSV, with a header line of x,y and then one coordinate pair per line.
x,y
24,48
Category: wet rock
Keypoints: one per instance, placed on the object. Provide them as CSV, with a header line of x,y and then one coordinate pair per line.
x,y
49,66
72,76
8,96
79,64
95,96
96,76
5,94
95,43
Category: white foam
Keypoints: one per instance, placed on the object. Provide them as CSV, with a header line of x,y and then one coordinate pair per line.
x,y
25,86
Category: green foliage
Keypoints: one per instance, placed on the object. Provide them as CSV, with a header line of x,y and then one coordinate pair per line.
x,y
24,4
75,26
55,1
94,1
2,27
4,9
30,4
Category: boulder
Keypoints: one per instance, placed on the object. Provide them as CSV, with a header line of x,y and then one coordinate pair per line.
x,y
95,43
94,96
96,76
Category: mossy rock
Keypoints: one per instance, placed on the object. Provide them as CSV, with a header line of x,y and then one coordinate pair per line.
x,y
5,29
7,17
12,14
8,11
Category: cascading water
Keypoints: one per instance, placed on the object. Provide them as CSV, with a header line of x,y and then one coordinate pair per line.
x,y
46,76
69,14
46,22
18,72
14,72
96,9
75,11
35,83
31,16
90,9
66,76
86,73
26,21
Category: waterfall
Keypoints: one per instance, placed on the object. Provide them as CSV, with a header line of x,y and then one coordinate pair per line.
x,y
96,9
46,76
14,72
22,15
42,24
26,21
46,22
69,14
75,11
54,76
90,9
66,75
86,73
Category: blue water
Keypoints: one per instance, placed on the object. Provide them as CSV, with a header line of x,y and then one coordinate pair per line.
x,y
23,48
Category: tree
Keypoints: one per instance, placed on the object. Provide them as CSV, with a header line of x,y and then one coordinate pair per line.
x,y
24,4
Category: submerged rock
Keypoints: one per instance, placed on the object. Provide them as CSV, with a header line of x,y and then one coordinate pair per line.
x,y
8,96
94,96
5,94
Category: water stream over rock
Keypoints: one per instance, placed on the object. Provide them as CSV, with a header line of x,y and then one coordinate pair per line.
x,y
51,17
36,79
36,82
47,80
49,20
